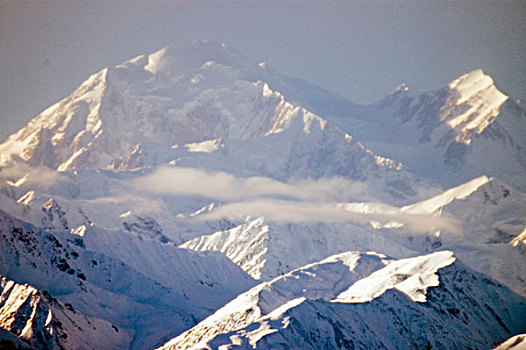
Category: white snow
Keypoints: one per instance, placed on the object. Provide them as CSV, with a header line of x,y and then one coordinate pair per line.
x,y
521,238
517,342
234,242
484,100
27,198
125,214
155,63
411,276
18,182
342,278
207,146
79,231
47,323
435,204
249,144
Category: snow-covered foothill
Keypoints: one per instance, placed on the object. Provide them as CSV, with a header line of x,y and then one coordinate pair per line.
x,y
305,309
43,322
149,289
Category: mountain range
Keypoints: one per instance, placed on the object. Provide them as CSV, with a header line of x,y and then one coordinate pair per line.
x,y
194,198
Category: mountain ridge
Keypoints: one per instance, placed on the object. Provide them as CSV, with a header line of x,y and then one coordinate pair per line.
x,y
194,184
444,134
266,312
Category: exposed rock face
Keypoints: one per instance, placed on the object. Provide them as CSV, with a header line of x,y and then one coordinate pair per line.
x,y
43,322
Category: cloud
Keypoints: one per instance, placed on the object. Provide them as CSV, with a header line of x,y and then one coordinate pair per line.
x,y
18,173
363,213
137,204
226,187
324,200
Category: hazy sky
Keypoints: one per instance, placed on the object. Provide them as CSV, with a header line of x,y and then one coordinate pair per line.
x,y
361,49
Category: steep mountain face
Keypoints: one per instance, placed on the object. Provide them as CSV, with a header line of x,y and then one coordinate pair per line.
x,y
43,322
268,250
163,190
173,97
354,300
180,101
492,217
446,134
148,289
489,213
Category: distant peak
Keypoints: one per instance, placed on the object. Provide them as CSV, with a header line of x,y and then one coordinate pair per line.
x,y
179,58
472,83
472,106
400,88
491,190
456,193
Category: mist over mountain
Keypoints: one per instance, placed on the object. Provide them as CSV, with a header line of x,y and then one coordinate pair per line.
x,y
194,198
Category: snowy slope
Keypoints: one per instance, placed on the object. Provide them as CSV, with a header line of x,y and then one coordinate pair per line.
x,y
176,96
492,217
45,323
180,94
322,306
436,204
149,289
491,211
245,245
175,103
446,134
161,188
488,217
521,238
517,342
267,250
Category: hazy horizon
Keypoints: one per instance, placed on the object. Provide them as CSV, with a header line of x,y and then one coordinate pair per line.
x,y
359,49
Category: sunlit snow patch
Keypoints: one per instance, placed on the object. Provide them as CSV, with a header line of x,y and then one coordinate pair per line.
x,y
517,342
411,276
27,198
126,214
207,146
475,106
203,210
19,182
521,238
79,231
434,205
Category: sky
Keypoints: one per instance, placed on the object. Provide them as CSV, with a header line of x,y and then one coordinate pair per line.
x,y
360,49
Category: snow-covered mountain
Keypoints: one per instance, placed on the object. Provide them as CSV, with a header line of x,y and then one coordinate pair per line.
x,y
267,250
193,182
181,102
490,216
446,134
177,96
354,300
149,289
43,322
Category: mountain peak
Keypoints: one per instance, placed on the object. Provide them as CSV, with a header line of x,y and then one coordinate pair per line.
x,y
490,190
196,90
400,88
471,83
472,105
176,59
